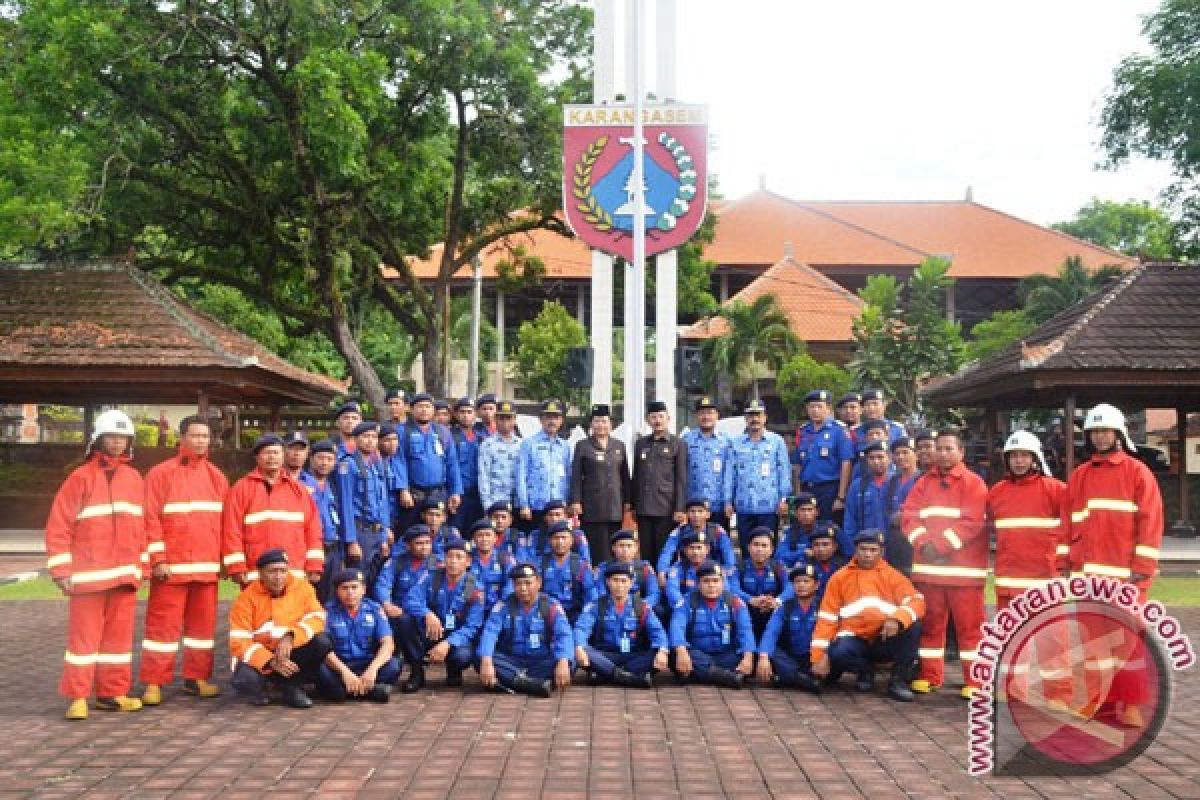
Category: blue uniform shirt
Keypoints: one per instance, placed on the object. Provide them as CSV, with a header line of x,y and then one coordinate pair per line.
x,y
492,575
617,631
459,606
681,580
707,456
498,469
430,457
795,541
571,588
398,575
791,626
758,476
356,637
753,582
466,444
646,584
895,431
326,501
526,634
441,536
820,452
720,547
866,505
543,471
725,627
364,482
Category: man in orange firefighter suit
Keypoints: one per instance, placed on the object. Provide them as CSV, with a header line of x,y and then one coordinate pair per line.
x,y
267,509
1026,508
184,497
944,520
277,634
95,542
1114,515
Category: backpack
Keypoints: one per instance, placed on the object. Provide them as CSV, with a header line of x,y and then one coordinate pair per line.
x,y
438,579
443,435
545,609
694,601
640,610
576,568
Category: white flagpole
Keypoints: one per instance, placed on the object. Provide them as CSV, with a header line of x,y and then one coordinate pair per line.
x,y
635,405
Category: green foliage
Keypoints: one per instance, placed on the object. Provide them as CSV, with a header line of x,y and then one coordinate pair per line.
x,y
460,335
1133,228
146,434
541,354
1043,296
802,374
758,342
1152,110
901,345
997,332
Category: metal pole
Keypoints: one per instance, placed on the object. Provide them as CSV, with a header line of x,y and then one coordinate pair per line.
x,y
603,84
500,367
666,306
476,310
637,285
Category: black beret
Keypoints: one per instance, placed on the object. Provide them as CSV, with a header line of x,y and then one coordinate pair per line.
x,y
693,502
806,499
904,441
803,568
346,575
872,394
415,531
817,396
295,437
324,446
621,536
620,568
925,435
655,405
522,571
761,530
849,397
869,536
394,394
876,447
266,440
482,525
276,555
708,568
365,427
500,505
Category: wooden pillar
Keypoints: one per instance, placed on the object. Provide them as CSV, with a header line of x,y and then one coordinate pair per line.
x,y
89,420
989,433
237,427
273,421
1181,454
1069,432
202,403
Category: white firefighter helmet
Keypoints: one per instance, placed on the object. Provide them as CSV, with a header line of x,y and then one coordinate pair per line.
x,y
1109,416
1024,440
113,421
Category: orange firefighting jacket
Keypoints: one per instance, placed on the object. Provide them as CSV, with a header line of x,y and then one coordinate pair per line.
x,y
257,621
858,601
1114,515
258,517
948,510
184,499
1031,540
95,533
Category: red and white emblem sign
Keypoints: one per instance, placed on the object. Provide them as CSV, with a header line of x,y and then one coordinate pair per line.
x,y
598,187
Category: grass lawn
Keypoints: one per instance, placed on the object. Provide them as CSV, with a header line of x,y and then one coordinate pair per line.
x,y
1175,590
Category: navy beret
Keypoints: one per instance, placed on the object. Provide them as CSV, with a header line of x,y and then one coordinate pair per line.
x,y
876,447
463,402
803,568
904,441
415,531
394,394
621,536
387,429
266,440
347,408
500,505
295,437
276,555
523,571
620,568
365,427
456,543
872,394
692,537
823,530
708,568
555,505
849,397
483,525
806,499
432,501
346,575
696,502
485,398
817,396
872,424
559,527
869,536
761,530
440,404
324,446
422,397
925,435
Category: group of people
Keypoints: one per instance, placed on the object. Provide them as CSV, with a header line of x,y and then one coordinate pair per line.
x,y
412,542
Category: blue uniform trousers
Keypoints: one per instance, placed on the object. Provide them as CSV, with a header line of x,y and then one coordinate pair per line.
x,y
604,662
826,494
416,644
508,668
759,620
470,511
334,558
788,667
855,654
331,684
703,663
371,542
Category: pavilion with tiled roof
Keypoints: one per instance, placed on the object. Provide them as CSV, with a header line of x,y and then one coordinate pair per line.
x,y
106,333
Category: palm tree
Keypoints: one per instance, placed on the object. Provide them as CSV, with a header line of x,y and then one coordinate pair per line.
x,y
1045,295
758,341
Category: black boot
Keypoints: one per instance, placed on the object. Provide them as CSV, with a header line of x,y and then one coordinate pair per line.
x,y
898,688
807,683
416,679
381,693
295,697
527,685
453,676
726,678
832,678
865,681
632,680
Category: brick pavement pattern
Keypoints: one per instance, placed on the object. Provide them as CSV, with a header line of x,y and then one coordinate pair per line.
x,y
604,742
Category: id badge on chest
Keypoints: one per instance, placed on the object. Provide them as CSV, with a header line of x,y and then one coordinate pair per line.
x,y
725,634
333,515
451,620
437,447
716,465
535,640
625,644
765,470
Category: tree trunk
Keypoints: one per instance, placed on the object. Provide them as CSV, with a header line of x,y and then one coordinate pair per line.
x,y
434,361
360,369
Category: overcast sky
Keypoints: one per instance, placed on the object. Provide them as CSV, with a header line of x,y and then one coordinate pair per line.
x,y
916,100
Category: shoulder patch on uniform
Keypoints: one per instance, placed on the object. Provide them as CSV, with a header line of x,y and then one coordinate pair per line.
x,y
344,467
589,607
498,607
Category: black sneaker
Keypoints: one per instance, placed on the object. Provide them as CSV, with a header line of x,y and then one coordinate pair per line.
x,y
295,697
454,677
898,690
416,680
380,694
865,681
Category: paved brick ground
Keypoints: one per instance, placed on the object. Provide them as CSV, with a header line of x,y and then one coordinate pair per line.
x,y
604,743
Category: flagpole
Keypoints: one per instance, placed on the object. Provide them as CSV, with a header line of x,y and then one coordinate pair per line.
x,y
635,406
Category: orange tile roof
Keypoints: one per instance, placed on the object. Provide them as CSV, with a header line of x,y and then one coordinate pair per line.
x,y
818,309
753,230
564,257
983,242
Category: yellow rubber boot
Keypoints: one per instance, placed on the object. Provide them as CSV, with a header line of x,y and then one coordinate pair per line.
x,y
78,708
967,691
153,695
120,703
201,688
922,686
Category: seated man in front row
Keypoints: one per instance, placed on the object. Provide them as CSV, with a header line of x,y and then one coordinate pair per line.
x,y
784,648
619,638
362,664
869,613
277,634
526,640
443,614
711,632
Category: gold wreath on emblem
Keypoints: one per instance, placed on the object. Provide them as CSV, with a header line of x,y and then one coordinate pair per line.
x,y
593,213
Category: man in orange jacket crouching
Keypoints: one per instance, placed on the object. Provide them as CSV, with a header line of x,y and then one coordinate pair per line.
x,y
869,613
277,634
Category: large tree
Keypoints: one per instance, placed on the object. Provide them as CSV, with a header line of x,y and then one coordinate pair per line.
x,y
1133,228
1152,109
287,149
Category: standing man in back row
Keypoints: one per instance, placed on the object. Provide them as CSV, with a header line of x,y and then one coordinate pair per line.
x,y
757,479
543,468
708,452
600,482
824,457
659,481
